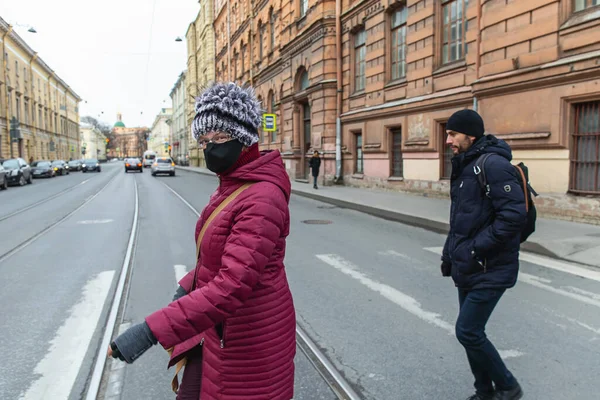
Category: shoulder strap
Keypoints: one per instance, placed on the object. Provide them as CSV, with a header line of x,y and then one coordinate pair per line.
x,y
216,212
479,170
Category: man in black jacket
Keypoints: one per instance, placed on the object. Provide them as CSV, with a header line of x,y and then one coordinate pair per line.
x,y
482,249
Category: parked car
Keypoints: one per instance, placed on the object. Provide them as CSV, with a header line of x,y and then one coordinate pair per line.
x,y
133,164
19,172
42,169
163,165
75,165
91,165
60,167
3,178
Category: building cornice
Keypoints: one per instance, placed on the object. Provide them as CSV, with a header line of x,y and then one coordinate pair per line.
x,y
4,26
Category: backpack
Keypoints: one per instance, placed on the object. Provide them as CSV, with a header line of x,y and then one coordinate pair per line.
x,y
523,178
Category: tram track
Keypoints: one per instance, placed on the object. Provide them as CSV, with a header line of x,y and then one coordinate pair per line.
x,y
42,201
23,244
342,389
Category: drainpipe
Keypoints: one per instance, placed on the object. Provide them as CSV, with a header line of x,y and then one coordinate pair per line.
x,y
477,55
338,122
251,42
229,42
33,102
10,28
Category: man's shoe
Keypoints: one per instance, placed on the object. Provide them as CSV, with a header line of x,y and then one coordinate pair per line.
x,y
513,394
482,396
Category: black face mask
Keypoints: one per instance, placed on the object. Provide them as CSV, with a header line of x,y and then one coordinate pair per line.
x,y
221,157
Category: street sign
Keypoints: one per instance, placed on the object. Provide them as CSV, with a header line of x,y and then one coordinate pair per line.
x,y
269,122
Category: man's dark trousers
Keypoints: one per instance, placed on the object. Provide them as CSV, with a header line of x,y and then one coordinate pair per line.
x,y
476,307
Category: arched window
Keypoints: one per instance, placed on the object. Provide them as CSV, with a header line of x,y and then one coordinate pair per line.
x,y
303,81
261,31
272,28
243,51
235,64
261,133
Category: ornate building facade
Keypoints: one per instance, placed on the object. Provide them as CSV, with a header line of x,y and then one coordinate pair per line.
x,y
130,142
200,39
34,98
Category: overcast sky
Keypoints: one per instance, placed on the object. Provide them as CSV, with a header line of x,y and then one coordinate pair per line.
x,y
113,53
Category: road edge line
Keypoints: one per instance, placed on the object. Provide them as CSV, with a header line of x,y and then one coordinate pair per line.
x,y
101,357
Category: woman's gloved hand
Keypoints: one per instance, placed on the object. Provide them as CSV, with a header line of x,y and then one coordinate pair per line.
x,y
132,343
179,293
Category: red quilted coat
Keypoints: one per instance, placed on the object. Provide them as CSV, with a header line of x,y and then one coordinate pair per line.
x,y
242,310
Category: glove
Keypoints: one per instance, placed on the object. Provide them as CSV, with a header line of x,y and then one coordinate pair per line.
x,y
132,343
179,293
446,268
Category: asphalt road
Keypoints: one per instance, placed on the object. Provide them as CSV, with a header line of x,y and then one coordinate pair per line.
x,y
367,291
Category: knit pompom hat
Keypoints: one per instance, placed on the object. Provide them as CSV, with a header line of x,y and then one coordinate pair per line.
x,y
229,108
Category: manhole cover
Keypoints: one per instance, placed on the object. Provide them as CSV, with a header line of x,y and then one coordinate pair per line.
x,y
316,222
327,207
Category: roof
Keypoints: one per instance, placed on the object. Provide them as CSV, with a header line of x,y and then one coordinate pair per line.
x,y
119,124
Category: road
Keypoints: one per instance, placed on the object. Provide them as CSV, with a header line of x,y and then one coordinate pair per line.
x,y
368,292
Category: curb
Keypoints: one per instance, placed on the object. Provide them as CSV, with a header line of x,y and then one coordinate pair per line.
x,y
408,219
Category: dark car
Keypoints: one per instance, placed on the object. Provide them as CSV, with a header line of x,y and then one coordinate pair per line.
x,y
3,177
133,164
91,165
19,172
60,167
43,169
75,165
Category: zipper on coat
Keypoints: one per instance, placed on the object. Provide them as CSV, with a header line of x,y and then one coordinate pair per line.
x,y
221,332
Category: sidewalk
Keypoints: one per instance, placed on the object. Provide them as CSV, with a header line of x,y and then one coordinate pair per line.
x,y
565,240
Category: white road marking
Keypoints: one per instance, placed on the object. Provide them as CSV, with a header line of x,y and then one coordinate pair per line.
x,y
95,221
540,283
405,301
180,272
394,253
101,357
59,368
547,262
117,371
593,295
84,182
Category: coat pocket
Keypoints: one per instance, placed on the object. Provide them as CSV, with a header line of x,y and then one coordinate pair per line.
x,y
464,261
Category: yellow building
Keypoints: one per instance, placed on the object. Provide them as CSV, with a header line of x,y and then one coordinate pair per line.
x,y
200,39
34,99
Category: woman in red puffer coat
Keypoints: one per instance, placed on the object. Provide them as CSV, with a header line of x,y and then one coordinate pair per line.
x,y
237,327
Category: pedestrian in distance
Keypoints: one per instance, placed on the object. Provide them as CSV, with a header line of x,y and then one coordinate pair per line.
x,y
481,252
315,165
232,320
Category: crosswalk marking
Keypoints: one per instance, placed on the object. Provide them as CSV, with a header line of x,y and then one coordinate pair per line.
x,y
405,301
541,283
59,368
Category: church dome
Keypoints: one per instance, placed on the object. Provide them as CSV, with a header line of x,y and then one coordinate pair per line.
x,y
119,124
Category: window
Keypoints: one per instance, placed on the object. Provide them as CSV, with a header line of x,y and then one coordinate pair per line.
x,y
398,52
396,139
261,132
272,29
243,48
261,35
580,5
18,104
446,155
26,105
235,64
304,83
303,8
360,51
585,149
306,126
453,30
358,168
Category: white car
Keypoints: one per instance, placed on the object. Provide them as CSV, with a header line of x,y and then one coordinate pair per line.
x,y
163,165
148,157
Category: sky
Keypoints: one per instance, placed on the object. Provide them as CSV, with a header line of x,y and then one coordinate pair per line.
x,y
117,55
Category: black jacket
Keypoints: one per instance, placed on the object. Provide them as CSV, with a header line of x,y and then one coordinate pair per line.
x,y
484,239
315,164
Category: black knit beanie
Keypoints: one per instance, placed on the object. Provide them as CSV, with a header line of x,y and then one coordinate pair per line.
x,y
467,122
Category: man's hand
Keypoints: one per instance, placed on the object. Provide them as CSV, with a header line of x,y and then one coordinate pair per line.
x,y
446,268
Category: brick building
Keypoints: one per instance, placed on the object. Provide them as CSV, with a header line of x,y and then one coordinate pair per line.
x,y
530,68
286,51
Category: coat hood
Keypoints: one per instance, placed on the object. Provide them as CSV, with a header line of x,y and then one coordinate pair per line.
x,y
268,167
486,144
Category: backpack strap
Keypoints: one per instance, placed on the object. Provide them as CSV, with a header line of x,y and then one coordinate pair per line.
x,y
525,186
479,170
